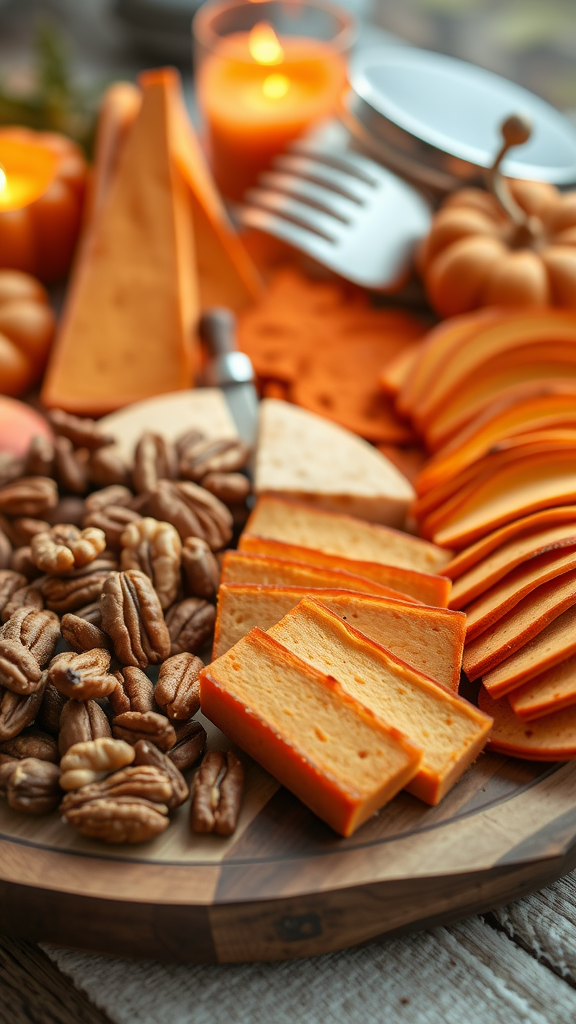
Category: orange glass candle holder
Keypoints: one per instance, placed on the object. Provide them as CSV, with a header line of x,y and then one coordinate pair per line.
x,y
42,180
265,71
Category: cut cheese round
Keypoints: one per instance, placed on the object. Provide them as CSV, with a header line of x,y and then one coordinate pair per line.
x,y
552,738
303,456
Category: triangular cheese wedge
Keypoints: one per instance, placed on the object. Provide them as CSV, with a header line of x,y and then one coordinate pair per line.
x,y
133,301
300,455
226,274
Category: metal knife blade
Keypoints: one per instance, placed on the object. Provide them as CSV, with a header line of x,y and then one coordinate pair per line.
x,y
230,370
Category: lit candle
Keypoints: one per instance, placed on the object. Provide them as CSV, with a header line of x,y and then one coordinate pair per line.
x,y
258,91
27,169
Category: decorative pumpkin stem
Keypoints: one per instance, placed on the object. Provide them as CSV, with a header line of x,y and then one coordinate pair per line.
x,y
516,130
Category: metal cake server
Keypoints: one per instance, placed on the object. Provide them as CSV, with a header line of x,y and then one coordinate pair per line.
x,y
229,369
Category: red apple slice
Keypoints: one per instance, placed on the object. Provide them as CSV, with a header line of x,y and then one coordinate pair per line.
x,y
519,625
516,585
547,693
553,645
512,492
470,556
549,739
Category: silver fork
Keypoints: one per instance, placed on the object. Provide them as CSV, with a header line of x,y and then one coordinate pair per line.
x,y
341,208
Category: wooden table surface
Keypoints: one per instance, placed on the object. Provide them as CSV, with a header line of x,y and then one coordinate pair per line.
x,y
516,965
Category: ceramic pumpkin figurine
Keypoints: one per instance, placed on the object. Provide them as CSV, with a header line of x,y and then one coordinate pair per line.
x,y
39,237
514,245
26,331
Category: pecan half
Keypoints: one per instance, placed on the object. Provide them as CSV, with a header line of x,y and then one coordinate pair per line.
x,y
81,431
66,547
84,762
178,688
22,529
81,587
190,744
19,710
48,716
11,467
217,794
155,548
134,692
69,509
10,582
144,725
113,521
80,721
223,455
123,819
39,631
115,494
70,466
193,511
188,440
83,635
29,496
82,676
19,669
28,598
91,613
33,786
154,460
149,754
39,459
190,624
201,569
5,550
231,488
146,781
21,562
107,468
32,743
132,616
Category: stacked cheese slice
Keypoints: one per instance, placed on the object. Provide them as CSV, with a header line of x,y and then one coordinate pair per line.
x,y
338,673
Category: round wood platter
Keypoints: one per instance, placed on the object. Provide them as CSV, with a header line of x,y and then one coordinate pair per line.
x,y
284,885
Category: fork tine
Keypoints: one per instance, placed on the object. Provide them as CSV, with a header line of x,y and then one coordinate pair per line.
x,y
292,209
322,174
293,234
318,196
351,163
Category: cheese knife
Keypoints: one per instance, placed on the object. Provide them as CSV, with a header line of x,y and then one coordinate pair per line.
x,y
229,369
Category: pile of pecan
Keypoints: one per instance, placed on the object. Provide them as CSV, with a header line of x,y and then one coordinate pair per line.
x,y
108,578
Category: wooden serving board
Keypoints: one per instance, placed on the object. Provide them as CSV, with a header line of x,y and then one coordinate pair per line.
x,y
285,885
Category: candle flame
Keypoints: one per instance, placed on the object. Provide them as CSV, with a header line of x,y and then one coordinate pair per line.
x,y
2,178
275,87
264,44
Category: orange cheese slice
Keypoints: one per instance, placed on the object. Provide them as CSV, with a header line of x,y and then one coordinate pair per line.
x,y
518,626
430,639
553,645
449,730
549,692
303,728
486,573
510,590
470,556
552,738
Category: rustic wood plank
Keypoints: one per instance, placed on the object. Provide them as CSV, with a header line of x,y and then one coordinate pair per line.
x,y
469,972
34,991
545,924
